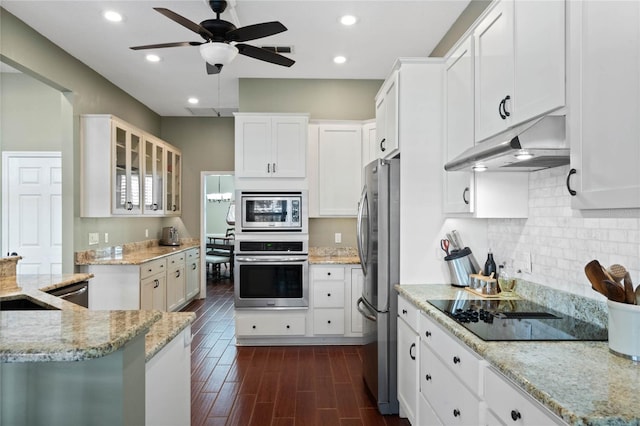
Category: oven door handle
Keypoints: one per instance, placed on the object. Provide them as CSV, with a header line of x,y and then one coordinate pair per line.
x,y
273,259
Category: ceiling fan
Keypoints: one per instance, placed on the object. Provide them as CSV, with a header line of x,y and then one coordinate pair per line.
x,y
217,49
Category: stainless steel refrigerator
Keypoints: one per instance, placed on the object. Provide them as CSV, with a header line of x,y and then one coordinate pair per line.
x,y
378,229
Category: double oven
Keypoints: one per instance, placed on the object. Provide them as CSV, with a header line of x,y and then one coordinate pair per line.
x,y
271,249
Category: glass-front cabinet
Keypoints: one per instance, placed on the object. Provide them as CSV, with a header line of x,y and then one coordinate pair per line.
x,y
173,175
125,171
153,184
127,186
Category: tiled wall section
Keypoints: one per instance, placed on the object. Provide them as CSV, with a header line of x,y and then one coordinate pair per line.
x,y
562,241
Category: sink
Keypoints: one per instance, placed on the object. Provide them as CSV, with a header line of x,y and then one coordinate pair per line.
x,y
24,304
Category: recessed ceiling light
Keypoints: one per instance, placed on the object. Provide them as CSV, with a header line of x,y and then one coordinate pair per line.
x,y
348,20
112,16
339,59
152,58
193,101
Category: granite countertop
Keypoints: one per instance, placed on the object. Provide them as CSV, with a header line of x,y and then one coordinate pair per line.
x,y
72,332
333,256
581,382
132,253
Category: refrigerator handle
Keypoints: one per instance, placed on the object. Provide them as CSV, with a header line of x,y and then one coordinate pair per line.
x,y
359,229
367,315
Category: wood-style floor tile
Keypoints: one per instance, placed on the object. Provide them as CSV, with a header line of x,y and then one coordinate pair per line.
x,y
272,386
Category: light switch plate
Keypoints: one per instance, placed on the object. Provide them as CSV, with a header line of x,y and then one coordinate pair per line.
x,y
338,237
93,238
106,237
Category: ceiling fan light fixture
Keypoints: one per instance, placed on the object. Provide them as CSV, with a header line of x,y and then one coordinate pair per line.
x,y
217,53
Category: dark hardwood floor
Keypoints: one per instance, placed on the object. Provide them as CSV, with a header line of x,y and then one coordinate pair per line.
x,y
271,386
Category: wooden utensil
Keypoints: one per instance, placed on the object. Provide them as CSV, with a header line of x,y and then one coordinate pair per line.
x,y
614,291
638,295
629,294
596,277
617,272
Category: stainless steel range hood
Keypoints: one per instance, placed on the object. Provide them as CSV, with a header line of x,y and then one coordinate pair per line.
x,y
535,145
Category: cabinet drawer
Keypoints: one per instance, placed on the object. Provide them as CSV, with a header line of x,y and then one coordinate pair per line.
x,y
193,254
426,415
463,362
175,260
270,325
333,273
408,312
328,321
451,400
151,268
511,406
328,294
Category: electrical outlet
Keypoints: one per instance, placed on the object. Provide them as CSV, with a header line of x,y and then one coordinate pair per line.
x,y
338,237
93,238
106,237
146,233
523,262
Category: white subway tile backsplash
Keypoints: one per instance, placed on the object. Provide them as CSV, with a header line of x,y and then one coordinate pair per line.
x,y
562,241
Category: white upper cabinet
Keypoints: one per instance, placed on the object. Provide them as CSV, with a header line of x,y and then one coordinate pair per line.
x,y
604,98
153,172
173,186
270,145
459,125
339,169
519,64
387,118
122,169
369,143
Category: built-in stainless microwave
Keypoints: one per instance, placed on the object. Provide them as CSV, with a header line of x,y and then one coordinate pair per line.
x,y
272,211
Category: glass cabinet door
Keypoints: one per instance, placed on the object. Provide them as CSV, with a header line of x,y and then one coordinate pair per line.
x,y
172,177
128,162
153,177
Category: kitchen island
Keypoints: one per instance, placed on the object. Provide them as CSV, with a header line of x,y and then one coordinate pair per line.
x,y
104,361
581,382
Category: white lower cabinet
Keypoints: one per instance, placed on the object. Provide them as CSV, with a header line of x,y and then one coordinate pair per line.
x,y
327,289
450,384
508,405
192,267
176,281
274,323
408,356
168,383
158,284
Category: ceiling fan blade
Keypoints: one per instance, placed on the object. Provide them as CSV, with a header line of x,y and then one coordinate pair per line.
x,y
162,45
252,32
196,28
264,55
212,69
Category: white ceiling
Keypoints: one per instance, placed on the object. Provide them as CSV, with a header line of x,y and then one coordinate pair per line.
x,y
385,31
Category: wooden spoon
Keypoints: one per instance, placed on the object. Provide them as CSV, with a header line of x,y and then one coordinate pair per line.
x,y
596,277
614,291
617,272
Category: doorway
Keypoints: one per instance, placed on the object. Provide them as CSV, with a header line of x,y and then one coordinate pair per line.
x,y
217,216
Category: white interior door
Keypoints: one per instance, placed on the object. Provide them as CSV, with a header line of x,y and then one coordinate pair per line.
x,y
32,210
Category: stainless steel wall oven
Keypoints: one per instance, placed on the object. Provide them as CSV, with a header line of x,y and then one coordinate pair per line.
x,y
271,273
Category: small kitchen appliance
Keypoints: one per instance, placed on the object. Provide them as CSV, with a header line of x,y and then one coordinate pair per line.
x,y
170,236
461,264
264,212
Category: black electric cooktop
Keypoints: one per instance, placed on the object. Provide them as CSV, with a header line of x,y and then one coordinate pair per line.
x,y
520,320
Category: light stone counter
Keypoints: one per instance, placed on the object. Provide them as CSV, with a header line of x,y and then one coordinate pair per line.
x,y
333,256
72,332
133,253
581,382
